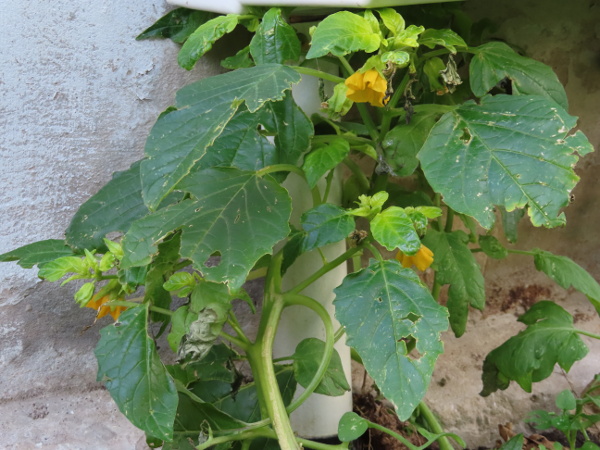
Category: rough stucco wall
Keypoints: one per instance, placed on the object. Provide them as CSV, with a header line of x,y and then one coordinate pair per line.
x,y
79,96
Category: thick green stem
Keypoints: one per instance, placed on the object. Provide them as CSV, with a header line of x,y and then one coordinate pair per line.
x,y
434,426
388,113
260,356
297,299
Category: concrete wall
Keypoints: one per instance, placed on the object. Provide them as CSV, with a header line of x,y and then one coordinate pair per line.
x,y
79,95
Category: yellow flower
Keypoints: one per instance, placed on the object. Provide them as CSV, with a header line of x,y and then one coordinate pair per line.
x,y
366,87
422,259
98,303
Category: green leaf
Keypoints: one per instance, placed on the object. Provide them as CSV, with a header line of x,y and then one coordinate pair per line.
x,y
393,229
324,225
177,25
320,161
56,269
455,265
37,253
180,138
566,273
511,151
112,208
492,247
131,369
397,57
240,60
403,142
307,359
445,38
383,308
342,33
514,443
202,40
183,282
231,210
510,223
292,128
530,356
217,365
408,38
351,427
392,20
566,400
161,268
495,61
85,292
275,41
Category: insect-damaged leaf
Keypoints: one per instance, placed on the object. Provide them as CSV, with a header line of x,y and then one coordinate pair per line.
x,y
275,41
232,213
512,151
386,310
180,138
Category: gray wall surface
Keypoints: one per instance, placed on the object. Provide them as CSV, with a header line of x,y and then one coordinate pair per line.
x,y
79,96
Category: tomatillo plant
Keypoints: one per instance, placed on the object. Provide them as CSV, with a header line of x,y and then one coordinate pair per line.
x,y
432,130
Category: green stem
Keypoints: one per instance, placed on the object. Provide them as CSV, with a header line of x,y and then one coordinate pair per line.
x,y
436,288
239,342
388,113
368,121
586,333
521,252
358,173
302,300
393,434
317,73
324,269
260,356
376,253
449,220
235,325
339,334
434,426
346,65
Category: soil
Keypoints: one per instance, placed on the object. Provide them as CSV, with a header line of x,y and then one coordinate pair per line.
x,y
378,412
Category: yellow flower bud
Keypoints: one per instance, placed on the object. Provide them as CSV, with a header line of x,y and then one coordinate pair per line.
x,y
366,87
422,259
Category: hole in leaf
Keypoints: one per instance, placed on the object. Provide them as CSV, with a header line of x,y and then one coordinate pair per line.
x,y
213,260
466,136
379,299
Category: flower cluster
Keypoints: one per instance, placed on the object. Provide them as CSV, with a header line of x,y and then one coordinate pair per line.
x,y
98,303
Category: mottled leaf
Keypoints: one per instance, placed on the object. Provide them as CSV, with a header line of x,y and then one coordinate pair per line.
x,y
455,265
180,138
444,38
512,151
275,41
495,61
531,355
393,229
385,310
342,33
202,40
492,247
130,367
351,427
